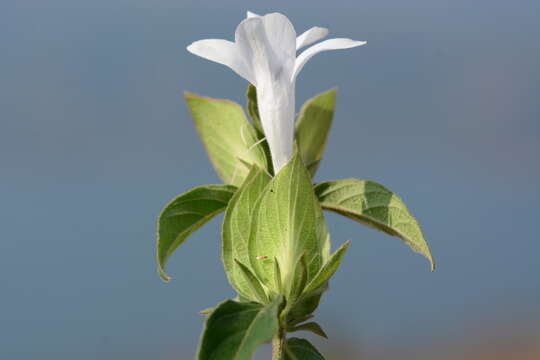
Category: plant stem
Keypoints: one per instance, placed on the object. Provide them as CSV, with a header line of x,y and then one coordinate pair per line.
x,y
278,345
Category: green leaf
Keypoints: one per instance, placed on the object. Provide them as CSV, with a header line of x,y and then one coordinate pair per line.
x,y
253,110
328,269
310,326
228,137
299,279
277,276
235,330
307,303
304,307
313,126
185,214
206,311
253,107
289,223
255,286
301,349
237,226
375,206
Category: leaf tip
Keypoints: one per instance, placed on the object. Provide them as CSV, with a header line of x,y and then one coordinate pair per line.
x,y
163,275
206,311
429,257
189,95
161,265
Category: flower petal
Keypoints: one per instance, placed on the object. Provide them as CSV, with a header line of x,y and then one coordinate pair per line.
x,y
254,47
258,40
268,45
223,52
281,36
310,36
332,44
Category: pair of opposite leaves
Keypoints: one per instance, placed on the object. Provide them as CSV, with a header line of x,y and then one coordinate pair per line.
x,y
233,143
241,158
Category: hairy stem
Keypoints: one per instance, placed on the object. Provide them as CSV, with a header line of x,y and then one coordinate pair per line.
x,y
278,345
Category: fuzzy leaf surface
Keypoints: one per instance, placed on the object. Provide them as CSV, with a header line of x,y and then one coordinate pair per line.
x,y
256,288
374,205
301,349
185,214
228,136
253,110
304,307
289,223
253,107
313,126
234,330
328,269
309,326
299,279
237,226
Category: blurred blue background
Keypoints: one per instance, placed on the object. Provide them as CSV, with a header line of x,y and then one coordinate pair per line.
x,y
442,106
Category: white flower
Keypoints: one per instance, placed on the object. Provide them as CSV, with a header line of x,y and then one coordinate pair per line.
x,y
264,53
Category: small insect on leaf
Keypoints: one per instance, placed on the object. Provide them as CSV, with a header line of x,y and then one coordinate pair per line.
x,y
261,257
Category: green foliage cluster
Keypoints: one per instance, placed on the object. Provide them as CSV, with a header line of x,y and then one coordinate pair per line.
x,y
275,243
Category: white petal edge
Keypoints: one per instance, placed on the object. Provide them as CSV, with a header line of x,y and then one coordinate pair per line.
x,y
250,14
310,36
223,52
331,44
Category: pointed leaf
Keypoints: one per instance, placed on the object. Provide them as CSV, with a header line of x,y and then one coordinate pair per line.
x,y
328,269
299,279
235,330
289,222
257,290
253,107
313,126
305,306
227,135
185,214
301,349
310,326
237,226
374,205
253,110
277,276
207,311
